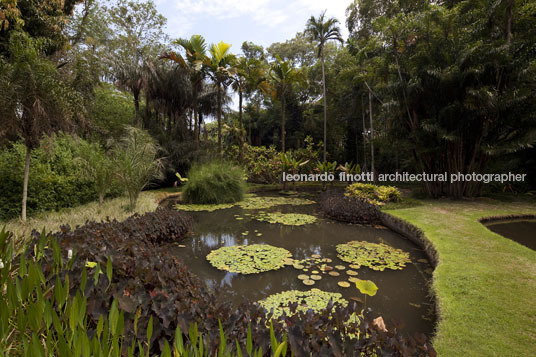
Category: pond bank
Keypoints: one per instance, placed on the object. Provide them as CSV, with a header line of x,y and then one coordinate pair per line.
x,y
484,283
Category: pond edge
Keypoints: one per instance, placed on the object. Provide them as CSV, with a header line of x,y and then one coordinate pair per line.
x,y
511,217
417,236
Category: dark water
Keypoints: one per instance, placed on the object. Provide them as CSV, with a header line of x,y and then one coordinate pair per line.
x,y
402,294
523,232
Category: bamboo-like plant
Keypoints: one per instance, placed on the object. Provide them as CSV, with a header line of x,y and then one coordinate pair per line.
x,y
137,163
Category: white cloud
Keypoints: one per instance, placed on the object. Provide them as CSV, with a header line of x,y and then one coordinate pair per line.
x,y
283,15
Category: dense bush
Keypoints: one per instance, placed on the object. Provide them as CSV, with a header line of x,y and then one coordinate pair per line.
x,y
376,195
214,182
263,165
56,180
349,209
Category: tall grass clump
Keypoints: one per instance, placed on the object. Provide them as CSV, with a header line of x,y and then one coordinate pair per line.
x,y
214,183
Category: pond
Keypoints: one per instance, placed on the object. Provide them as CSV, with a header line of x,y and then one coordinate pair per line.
x,y
403,295
521,231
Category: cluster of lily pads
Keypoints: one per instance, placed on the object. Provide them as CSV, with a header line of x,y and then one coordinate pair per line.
x,y
376,256
287,219
313,299
315,265
251,201
250,259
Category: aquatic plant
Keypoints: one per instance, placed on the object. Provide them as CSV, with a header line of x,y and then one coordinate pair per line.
x,y
249,259
366,287
263,202
203,207
376,256
288,219
314,299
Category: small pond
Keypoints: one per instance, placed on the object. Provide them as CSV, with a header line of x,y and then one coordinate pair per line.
x,y
402,295
521,231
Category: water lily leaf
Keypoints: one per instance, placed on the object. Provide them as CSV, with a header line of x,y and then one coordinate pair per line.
x,y
334,273
315,272
264,202
316,277
340,267
353,279
376,256
366,287
287,219
303,277
249,259
343,284
351,272
314,299
309,282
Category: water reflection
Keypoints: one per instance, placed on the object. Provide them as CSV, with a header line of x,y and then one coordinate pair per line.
x,y
402,295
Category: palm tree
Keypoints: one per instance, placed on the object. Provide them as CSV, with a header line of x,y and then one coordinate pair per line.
x,y
196,58
322,31
34,100
249,77
283,76
220,71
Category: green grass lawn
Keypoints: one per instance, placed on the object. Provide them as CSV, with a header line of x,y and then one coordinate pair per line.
x,y
485,284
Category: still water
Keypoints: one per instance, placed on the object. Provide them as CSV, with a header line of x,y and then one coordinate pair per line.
x,y
523,232
403,295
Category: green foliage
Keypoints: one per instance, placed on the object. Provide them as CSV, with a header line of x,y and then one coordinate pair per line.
x,y
249,259
98,167
110,112
366,287
136,162
251,201
287,219
376,195
376,256
314,299
214,183
56,180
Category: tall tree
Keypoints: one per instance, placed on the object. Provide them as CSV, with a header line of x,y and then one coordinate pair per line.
x,y
195,50
34,100
220,71
323,30
283,76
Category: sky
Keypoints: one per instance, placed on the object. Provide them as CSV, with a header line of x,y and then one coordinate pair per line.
x,y
262,22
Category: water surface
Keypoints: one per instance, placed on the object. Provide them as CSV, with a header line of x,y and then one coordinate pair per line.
x,y
403,294
521,231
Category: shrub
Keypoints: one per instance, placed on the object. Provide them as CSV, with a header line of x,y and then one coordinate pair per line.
x,y
349,209
376,195
56,180
136,162
214,183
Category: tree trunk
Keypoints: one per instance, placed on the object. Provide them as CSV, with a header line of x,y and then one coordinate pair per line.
x,y
137,106
325,105
283,123
25,183
508,22
241,144
371,135
364,141
220,151
196,127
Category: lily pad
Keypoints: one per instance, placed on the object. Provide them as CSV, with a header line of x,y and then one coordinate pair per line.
x,y
334,273
207,207
315,272
355,266
287,219
263,202
353,279
340,267
351,272
314,299
343,284
303,277
366,287
248,259
308,282
376,256
316,277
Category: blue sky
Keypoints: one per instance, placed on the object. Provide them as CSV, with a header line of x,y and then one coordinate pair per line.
x,y
235,21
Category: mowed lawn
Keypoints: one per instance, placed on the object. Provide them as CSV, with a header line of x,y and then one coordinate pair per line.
x,y
485,284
